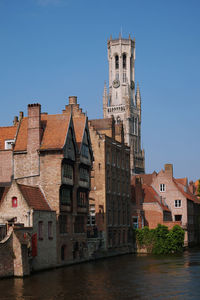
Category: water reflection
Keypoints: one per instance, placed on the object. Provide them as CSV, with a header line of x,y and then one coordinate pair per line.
x,y
126,277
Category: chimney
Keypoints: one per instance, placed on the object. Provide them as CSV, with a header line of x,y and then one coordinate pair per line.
x,y
21,115
169,169
34,127
72,100
15,120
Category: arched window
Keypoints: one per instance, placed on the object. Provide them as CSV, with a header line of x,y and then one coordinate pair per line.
x,y
116,62
124,61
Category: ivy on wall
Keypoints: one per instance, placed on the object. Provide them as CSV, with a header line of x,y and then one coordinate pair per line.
x,y
160,240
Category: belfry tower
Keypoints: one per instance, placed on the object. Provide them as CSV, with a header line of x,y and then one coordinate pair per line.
x,y
122,100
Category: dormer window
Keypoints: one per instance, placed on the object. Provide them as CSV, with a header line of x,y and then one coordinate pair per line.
x,y
116,62
8,144
14,201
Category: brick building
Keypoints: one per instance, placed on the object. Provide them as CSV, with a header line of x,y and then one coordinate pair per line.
x,y
110,185
53,152
172,194
25,208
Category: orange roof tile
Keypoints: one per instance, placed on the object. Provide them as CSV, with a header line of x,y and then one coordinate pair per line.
x,y
54,132
34,197
187,194
7,133
150,195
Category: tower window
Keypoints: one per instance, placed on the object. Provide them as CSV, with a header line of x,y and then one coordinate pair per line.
x,y
124,61
116,62
124,76
117,76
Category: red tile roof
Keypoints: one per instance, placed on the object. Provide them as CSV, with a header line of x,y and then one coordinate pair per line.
x,y
187,194
34,197
55,129
7,133
150,195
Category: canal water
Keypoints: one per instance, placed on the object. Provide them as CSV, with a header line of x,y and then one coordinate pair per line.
x,y
124,277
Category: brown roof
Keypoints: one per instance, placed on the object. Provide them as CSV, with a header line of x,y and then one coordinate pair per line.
x,y
7,133
145,178
54,132
150,195
34,197
182,181
79,127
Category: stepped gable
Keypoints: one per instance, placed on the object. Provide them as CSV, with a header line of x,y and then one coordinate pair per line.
x,y
54,131
34,197
7,133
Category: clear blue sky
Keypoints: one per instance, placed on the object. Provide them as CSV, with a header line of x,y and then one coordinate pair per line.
x,y
51,49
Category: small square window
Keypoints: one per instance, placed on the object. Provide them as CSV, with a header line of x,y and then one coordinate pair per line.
x,y
14,201
162,187
177,203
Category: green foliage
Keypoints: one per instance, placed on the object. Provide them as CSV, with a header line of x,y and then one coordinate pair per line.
x,y
198,188
160,240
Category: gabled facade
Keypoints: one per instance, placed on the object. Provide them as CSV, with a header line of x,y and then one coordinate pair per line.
x,y
25,208
54,152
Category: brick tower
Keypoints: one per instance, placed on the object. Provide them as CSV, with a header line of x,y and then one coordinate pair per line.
x,y
122,100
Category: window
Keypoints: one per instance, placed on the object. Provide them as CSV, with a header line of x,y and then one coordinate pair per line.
x,y
40,230
177,203
91,217
8,144
67,171
117,76
124,77
14,201
84,175
63,223
79,224
162,187
116,62
65,196
82,199
178,217
50,230
135,222
124,61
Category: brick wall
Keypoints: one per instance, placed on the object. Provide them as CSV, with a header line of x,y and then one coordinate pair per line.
x,y
6,165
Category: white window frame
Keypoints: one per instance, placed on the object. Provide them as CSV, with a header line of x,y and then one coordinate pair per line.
x,y
177,203
8,144
162,187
